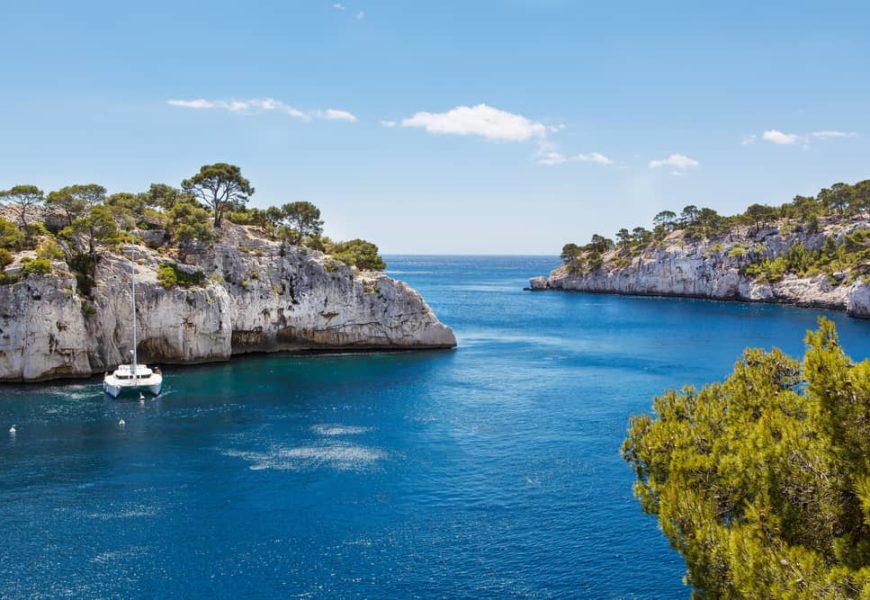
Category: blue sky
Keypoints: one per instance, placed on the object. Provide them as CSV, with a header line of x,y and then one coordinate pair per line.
x,y
486,126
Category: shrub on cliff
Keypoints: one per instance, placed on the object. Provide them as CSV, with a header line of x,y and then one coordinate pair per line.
x,y
169,276
96,226
296,221
762,482
574,258
50,250
35,266
84,266
358,253
249,216
768,271
188,222
128,209
166,276
10,237
569,252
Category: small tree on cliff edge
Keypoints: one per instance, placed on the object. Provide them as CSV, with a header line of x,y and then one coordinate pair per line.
x,y
219,186
75,200
95,227
23,199
299,220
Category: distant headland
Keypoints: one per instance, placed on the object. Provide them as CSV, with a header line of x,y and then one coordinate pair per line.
x,y
812,251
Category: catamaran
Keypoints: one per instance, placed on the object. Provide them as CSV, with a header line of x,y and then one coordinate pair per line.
x,y
133,376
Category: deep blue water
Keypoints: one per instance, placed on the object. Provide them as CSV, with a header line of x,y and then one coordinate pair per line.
x,y
488,471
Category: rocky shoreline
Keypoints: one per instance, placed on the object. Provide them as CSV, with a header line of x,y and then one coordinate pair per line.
x,y
713,269
255,295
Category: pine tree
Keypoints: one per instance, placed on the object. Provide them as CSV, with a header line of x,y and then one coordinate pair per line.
x,y
762,482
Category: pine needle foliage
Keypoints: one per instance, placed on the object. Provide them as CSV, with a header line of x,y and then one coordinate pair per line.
x,y
762,482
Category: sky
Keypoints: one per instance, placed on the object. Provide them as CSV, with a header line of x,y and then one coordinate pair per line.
x,y
448,127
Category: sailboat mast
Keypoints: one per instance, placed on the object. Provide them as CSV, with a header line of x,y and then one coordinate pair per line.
x,y
133,291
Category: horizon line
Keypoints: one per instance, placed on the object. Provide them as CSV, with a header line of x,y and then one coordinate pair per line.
x,y
386,254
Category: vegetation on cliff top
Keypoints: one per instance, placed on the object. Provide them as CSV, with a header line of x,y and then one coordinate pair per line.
x,y
72,224
762,482
849,257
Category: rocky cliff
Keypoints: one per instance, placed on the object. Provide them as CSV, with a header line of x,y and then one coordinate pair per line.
x,y
717,268
255,295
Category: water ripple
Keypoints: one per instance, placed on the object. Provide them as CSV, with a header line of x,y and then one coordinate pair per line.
x,y
337,455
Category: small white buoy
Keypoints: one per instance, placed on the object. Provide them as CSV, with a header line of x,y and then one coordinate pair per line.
x,y
12,430
121,423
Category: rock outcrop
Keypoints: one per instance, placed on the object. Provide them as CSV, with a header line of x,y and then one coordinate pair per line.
x,y
714,268
257,296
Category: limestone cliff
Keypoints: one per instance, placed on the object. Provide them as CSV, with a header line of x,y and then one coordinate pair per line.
x,y
716,268
257,296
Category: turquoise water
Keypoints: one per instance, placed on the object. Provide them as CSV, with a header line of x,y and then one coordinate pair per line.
x,y
488,471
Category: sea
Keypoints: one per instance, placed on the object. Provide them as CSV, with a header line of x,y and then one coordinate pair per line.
x,y
488,471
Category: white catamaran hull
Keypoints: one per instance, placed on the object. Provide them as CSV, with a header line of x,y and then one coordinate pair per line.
x,y
114,386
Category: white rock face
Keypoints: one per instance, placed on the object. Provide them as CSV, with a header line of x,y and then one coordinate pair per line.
x,y
260,297
708,269
858,302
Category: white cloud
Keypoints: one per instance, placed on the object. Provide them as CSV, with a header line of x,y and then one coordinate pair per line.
x,y
778,137
338,6
197,104
388,123
827,134
595,157
550,157
331,114
485,121
548,154
677,161
360,15
269,104
499,125
257,105
242,106
774,136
